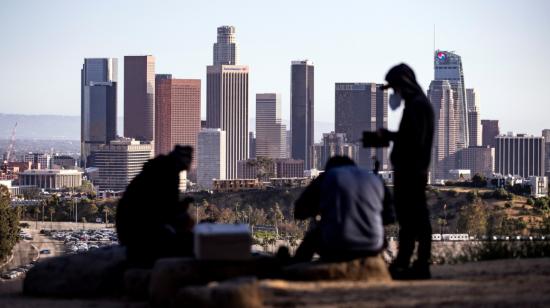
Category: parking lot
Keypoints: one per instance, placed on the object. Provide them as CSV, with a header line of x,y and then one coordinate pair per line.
x,y
39,244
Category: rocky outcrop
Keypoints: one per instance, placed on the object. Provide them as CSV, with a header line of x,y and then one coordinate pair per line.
x,y
366,269
93,274
242,292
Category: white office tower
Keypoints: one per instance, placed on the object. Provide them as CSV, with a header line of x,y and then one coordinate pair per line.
x,y
270,132
227,98
445,129
474,118
211,157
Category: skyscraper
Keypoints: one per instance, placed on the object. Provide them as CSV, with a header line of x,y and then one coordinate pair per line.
x,y
448,66
139,97
301,110
444,150
226,51
362,107
521,155
546,135
98,104
270,132
177,113
211,159
227,99
490,130
474,120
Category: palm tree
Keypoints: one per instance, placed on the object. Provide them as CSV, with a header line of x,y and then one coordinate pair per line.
x,y
106,211
51,211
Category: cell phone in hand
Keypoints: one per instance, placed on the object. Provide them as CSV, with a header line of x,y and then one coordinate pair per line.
x,y
374,140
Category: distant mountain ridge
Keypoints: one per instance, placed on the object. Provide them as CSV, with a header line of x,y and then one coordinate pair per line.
x,y
40,127
61,127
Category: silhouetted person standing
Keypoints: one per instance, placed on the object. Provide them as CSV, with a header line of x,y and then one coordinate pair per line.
x,y
410,157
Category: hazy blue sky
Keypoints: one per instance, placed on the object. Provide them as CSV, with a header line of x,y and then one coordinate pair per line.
x,y
503,44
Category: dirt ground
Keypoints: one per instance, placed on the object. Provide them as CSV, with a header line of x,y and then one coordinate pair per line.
x,y
512,283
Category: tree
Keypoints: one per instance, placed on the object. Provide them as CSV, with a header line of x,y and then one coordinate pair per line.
x,y
472,220
51,211
9,224
479,181
106,211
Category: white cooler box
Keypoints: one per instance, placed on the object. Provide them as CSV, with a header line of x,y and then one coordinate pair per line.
x,y
222,241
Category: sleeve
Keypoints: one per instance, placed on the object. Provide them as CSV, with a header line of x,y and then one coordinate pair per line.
x,y
307,204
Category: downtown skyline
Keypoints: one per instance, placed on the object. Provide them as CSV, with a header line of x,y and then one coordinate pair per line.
x,y
491,62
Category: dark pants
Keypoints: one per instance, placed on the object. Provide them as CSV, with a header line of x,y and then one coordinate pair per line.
x,y
413,217
311,244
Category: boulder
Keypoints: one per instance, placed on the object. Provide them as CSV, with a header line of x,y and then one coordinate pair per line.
x,y
95,273
171,274
367,269
136,283
242,292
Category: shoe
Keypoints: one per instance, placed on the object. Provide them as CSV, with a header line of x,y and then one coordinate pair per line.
x,y
420,271
399,272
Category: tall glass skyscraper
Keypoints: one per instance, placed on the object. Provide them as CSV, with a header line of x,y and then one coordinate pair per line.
x,y
448,66
139,97
98,105
301,110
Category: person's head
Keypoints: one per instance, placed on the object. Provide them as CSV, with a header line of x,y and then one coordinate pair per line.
x,y
402,80
338,161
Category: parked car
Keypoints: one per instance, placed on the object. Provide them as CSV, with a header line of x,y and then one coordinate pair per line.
x,y
45,252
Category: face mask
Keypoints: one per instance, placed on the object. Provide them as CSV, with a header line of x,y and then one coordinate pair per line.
x,y
395,101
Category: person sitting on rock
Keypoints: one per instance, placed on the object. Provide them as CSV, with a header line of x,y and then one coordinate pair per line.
x,y
350,206
151,220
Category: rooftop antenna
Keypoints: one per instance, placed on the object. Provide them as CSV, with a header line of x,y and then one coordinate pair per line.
x,y
434,38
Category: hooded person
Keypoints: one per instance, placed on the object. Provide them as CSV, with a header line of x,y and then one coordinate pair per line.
x,y
410,157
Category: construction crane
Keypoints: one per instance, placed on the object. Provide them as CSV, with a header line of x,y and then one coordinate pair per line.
x,y
10,148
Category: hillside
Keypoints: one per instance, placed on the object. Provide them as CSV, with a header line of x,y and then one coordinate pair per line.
x,y
453,209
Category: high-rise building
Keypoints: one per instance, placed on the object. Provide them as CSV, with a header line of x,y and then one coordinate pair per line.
x,y
546,135
270,132
521,155
211,157
478,159
448,66
444,150
362,107
288,144
301,110
474,119
227,104
226,51
490,130
119,162
178,112
98,106
139,97
333,144
251,145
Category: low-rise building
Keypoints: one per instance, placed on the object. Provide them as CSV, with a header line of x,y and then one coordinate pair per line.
x,y
539,186
50,179
234,185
